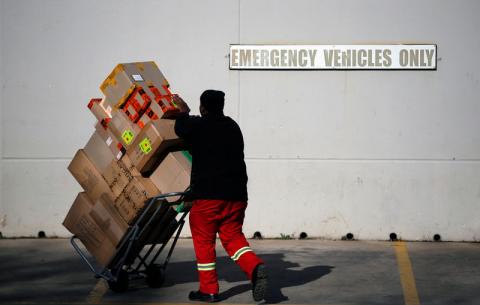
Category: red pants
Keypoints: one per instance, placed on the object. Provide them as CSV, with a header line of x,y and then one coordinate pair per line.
x,y
209,217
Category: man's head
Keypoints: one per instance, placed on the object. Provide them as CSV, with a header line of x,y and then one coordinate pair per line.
x,y
212,102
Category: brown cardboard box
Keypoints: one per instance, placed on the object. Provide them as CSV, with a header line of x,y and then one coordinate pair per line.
x,y
152,144
163,101
136,104
124,130
157,109
88,176
164,219
167,226
79,221
99,109
144,119
98,152
131,167
115,146
140,189
173,174
107,217
163,216
132,200
119,174
126,78
122,80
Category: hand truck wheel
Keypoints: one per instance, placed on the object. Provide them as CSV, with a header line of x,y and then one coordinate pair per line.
x,y
121,284
155,276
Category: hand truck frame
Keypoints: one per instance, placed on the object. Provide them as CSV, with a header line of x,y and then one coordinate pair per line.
x,y
121,269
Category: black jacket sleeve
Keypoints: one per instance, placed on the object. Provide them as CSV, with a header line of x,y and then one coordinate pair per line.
x,y
185,126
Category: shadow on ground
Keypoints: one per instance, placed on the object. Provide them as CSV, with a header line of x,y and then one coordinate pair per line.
x,y
280,275
35,276
38,276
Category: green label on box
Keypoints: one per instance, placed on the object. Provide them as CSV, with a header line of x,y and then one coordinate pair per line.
x,y
127,136
145,146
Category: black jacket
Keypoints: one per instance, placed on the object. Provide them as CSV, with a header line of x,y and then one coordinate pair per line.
x,y
218,166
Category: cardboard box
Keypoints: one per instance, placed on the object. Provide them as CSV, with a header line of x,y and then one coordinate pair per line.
x,y
118,174
136,104
141,189
160,110
132,200
88,176
124,130
166,224
115,146
173,174
98,152
163,216
122,80
131,167
151,114
152,145
147,117
109,220
99,109
163,103
79,221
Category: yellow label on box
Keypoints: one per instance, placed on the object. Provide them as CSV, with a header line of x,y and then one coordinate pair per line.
x,y
128,136
145,146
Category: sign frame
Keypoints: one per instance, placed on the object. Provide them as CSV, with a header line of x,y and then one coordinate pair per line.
x,y
368,49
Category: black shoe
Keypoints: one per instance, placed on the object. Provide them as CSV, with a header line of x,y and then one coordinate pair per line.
x,y
203,297
259,282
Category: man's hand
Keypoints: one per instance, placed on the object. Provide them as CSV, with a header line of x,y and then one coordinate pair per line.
x,y
181,104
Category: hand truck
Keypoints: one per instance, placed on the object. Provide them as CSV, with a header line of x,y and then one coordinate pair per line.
x,y
155,225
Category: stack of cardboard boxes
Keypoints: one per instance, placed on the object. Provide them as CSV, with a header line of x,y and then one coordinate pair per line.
x,y
134,154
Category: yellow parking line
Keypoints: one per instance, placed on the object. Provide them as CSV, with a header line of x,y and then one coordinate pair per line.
x,y
407,278
95,296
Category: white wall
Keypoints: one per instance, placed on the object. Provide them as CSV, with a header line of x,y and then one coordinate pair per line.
x,y
56,54
367,152
2,210
328,152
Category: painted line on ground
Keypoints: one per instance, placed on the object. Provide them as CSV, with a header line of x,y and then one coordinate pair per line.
x,y
95,296
410,294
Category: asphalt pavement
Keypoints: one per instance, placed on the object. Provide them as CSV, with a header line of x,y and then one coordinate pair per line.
x,y
48,271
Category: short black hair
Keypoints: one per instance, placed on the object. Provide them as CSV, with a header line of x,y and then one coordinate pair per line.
x,y
213,101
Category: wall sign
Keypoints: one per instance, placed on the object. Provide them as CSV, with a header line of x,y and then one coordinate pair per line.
x,y
333,57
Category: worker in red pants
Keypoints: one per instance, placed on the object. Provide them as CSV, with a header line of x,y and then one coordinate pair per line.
x,y
219,192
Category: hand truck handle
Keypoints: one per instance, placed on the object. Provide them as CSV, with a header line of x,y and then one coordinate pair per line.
x,y
172,194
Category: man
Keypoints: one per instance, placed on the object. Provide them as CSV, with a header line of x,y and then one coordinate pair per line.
x,y
219,190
